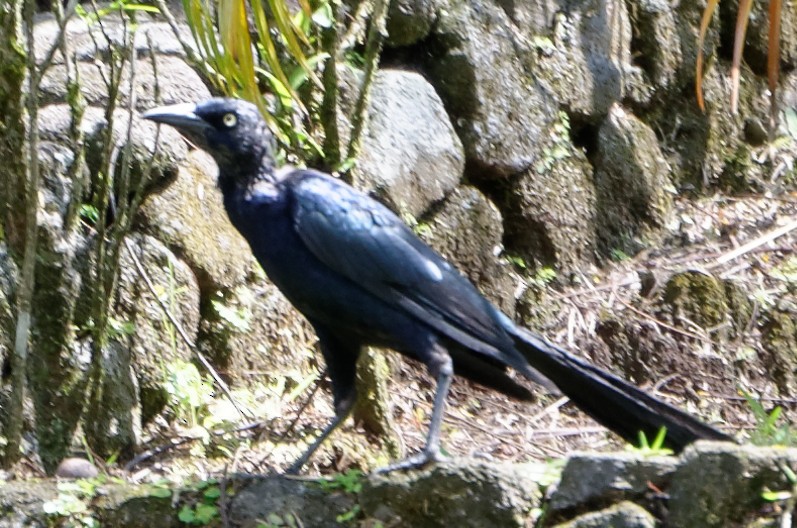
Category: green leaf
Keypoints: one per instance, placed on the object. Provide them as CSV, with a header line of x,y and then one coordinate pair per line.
x,y
160,492
774,496
212,493
322,17
205,513
186,514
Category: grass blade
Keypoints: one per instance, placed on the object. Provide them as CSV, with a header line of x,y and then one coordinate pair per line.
x,y
711,6
742,17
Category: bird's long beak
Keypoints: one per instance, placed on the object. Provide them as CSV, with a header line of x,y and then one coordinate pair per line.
x,y
180,116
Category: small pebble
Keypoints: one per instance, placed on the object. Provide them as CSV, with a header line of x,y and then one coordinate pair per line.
x,y
75,468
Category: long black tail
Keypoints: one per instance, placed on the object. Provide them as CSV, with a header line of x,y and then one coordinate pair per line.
x,y
615,403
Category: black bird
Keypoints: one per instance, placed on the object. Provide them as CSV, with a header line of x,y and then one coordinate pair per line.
x,y
361,277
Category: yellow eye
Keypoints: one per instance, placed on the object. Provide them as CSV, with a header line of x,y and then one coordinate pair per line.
x,y
229,120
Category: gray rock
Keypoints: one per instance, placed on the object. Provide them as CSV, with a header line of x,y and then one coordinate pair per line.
x,y
251,330
467,230
56,393
598,478
632,185
456,493
115,398
189,217
661,50
549,210
533,18
175,82
411,156
157,160
720,484
409,21
496,103
8,285
75,468
291,502
56,185
623,515
87,43
153,343
587,62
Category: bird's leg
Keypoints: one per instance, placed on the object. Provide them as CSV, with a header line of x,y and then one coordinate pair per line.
x,y
431,451
342,411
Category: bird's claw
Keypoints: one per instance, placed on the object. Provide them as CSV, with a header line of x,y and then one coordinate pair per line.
x,y
421,460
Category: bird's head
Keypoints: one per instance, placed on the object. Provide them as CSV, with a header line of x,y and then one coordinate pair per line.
x,y
230,130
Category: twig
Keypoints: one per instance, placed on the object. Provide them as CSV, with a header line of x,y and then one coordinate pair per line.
x,y
187,49
155,451
181,332
373,48
665,325
295,420
760,241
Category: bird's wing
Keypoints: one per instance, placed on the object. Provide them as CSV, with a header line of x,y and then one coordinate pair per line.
x,y
365,242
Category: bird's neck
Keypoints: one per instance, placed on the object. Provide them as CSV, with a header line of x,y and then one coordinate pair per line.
x,y
239,176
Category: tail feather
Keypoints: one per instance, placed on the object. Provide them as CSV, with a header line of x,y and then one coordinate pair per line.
x,y
612,401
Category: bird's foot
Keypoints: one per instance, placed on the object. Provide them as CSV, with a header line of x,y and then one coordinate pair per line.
x,y
422,459
297,465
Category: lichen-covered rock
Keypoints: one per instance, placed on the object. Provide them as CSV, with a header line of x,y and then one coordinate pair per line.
x,y
591,479
665,41
632,186
720,484
252,328
623,515
587,63
190,218
467,230
158,163
696,297
779,338
116,399
286,502
497,105
409,21
143,328
175,81
8,281
90,42
456,493
58,393
410,155
550,208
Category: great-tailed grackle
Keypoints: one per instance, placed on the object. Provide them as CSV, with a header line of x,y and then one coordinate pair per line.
x,y
361,277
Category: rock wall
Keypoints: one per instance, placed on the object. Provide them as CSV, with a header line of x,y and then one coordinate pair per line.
x,y
555,132
710,486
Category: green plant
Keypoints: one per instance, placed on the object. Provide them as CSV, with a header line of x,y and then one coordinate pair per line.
x,y
286,56
237,318
205,508
117,6
656,447
618,255
787,498
351,481
545,275
71,507
190,393
349,516
767,432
